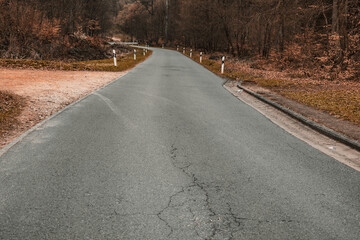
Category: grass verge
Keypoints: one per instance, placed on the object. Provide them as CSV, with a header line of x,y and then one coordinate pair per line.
x,y
341,103
11,104
10,107
338,98
124,62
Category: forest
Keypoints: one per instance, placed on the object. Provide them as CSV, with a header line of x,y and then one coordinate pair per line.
x,y
307,51
55,29
319,34
312,33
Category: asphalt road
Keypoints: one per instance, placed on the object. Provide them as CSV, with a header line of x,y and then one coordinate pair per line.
x,y
165,152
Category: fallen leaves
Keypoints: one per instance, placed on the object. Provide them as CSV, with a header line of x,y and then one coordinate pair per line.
x,y
10,108
124,62
343,103
341,98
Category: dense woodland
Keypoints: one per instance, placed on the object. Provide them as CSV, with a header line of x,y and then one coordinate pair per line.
x,y
52,29
321,33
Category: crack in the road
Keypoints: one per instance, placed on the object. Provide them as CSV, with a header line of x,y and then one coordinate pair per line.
x,y
195,183
166,223
168,206
197,203
199,207
173,152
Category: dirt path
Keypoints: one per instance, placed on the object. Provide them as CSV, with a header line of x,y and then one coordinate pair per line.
x,y
46,92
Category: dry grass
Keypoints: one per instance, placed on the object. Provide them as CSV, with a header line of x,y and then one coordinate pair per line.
x,y
42,93
10,108
342,104
124,62
38,94
339,98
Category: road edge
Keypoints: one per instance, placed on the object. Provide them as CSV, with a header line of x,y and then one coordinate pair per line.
x,y
38,125
315,126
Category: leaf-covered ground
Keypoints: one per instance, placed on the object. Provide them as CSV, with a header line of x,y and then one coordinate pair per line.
x,y
10,107
29,92
124,62
340,98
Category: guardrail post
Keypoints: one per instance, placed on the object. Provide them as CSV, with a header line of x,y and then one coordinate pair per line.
x,y
114,53
223,65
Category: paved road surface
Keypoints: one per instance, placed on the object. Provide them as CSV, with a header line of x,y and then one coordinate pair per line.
x,y
167,153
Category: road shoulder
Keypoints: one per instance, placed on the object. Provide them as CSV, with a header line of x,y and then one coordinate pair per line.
x,y
332,148
47,92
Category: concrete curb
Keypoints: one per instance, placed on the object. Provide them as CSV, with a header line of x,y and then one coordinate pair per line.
x,y
317,127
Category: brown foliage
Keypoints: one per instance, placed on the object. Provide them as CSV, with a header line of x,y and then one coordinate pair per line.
x,y
52,29
10,108
314,34
338,98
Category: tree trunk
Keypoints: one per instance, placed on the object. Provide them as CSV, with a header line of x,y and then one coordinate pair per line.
x,y
343,31
282,26
229,40
267,41
335,17
339,29
166,20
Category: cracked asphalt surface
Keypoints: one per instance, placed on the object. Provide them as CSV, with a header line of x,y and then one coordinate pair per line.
x,y
165,152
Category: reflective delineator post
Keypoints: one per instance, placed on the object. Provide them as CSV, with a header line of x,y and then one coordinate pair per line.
x,y
114,53
134,54
200,57
190,53
177,48
144,53
223,65
183,50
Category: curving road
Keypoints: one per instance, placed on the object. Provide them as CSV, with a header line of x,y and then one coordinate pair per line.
x,y
165,152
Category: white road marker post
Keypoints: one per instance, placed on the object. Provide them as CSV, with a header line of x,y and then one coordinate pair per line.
x,y
190,53
177,48
183,50
144,53
135,54
223,65
114,54
200,57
